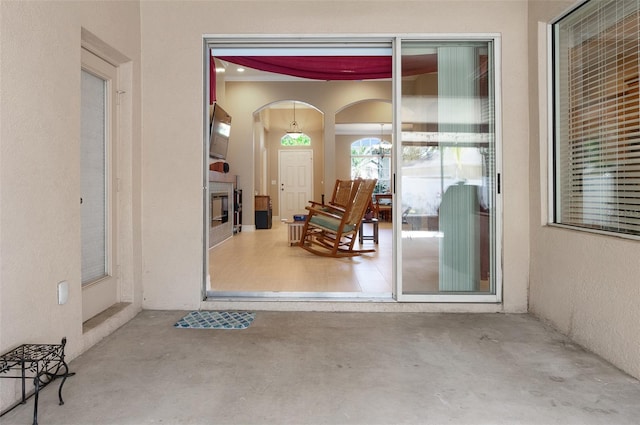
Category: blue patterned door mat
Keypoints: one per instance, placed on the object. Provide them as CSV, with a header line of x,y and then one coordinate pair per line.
x,y
216,320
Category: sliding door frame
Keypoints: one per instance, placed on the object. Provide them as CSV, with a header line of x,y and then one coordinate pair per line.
x,y
496,254
395,40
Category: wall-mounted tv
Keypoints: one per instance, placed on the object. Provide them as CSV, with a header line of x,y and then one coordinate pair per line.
x,y
219,133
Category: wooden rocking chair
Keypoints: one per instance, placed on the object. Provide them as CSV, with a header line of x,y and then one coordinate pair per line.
x,y
340,195
331,231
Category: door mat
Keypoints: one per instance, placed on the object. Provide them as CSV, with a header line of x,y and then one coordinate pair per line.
x,y
216,320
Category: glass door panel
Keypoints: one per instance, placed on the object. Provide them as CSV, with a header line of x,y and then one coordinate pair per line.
x,y
447,171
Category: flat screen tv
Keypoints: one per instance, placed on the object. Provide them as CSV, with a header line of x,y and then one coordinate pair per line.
x,y
219,134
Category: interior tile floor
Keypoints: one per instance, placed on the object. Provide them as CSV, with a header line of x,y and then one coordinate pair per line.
x,y
264,261
340,368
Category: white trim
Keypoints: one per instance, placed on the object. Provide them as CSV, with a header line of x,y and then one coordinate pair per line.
x,y
206,278
396,98
303,296
346,305
594,231
499,219
550,127
302,51
337,39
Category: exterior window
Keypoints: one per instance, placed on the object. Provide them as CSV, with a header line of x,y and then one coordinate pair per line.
x,y
301,140
371,159
596,117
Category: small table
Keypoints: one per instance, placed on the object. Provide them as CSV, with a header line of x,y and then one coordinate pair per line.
x,y
42,362
294,231
374,237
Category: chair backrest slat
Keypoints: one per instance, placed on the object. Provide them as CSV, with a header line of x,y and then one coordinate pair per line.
x,y
361,200
341,193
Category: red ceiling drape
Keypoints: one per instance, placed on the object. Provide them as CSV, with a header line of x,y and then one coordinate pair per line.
x,y
212,80
329,68
319,67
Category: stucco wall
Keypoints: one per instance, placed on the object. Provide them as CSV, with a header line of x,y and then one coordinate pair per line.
x,y
40,166
585,285
173,96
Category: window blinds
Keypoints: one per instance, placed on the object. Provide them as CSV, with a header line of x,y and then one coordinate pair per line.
x,y
598,117
93,174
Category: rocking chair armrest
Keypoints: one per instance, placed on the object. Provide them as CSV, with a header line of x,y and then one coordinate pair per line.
x,y
335,209
322,211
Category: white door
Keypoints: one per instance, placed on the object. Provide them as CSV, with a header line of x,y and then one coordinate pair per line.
x,y
98,185
296,181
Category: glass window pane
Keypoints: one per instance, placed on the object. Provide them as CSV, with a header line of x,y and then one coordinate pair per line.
x,y
597,104
447,168
371,159
93,183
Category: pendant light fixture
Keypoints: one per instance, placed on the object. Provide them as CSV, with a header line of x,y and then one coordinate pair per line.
x,y
294,129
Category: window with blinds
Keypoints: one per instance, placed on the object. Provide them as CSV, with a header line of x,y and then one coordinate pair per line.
x,y
597,117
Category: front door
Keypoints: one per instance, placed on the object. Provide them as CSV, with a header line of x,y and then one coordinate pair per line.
x,y
296,181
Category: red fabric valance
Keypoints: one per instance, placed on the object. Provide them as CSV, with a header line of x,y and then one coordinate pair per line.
x,y
319,67
330,68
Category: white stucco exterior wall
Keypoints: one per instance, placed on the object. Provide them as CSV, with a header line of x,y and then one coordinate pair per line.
x,y
585,285
40,167
173,98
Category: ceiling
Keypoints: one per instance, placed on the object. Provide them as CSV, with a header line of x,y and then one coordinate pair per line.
x,y
234,72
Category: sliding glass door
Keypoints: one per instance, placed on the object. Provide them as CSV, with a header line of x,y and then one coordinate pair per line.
x,y
443,189
447,174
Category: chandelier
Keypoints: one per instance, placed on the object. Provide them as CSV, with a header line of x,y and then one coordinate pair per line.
x,y
294,129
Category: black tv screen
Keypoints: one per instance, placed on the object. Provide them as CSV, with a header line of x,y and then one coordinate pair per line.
x,y
219,134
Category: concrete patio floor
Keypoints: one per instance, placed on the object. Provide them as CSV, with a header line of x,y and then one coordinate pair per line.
x,y
340,368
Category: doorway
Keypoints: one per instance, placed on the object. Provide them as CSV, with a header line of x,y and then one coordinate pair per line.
x,y
419,97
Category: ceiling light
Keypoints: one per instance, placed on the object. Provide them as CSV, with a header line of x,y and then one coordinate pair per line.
x,y
294,129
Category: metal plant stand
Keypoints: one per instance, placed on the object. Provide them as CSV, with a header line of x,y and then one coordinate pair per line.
x,y
42,362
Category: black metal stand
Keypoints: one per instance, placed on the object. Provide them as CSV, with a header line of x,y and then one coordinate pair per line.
x,y
42,362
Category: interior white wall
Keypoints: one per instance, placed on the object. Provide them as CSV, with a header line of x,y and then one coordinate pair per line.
x,y
377,111
328,97
585,285
173,98
40,166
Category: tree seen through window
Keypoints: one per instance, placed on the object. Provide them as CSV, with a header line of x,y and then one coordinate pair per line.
x,y
371,159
